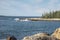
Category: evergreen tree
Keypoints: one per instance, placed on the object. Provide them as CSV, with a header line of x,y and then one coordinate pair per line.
x,y
53,14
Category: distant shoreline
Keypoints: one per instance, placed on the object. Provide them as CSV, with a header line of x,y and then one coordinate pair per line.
x,y
44,19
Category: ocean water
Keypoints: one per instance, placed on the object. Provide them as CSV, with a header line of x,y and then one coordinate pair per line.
x,y
20,29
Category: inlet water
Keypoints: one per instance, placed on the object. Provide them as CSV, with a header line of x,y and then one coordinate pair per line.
x,y
21,29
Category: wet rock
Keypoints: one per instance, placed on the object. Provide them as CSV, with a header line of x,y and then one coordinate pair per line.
x,y
11,38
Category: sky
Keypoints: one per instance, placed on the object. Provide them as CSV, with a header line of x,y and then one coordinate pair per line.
x,y
28,7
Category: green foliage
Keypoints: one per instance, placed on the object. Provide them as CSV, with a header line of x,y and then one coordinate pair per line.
x,y
53,14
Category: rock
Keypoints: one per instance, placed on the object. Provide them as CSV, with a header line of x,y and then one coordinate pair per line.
x,y
39,36
56,33
11,38
27,38
44,36
52,38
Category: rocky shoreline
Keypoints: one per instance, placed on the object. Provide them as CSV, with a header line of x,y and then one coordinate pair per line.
x,y
44,19
44,36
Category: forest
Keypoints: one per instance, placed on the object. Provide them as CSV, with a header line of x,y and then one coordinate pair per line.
x,y
54,14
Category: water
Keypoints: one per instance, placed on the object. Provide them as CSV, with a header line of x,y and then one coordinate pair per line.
x,y
25,28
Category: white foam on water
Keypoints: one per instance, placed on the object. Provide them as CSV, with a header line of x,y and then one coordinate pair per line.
x,y
24,20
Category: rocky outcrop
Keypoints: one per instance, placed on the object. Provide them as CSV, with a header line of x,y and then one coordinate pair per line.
x,y
39,36
56,33
44,36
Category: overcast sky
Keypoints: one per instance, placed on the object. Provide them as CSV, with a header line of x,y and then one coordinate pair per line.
x,y
27,7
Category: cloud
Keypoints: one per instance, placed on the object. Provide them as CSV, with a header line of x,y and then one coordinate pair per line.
x,y
16,7
8,8
52,5
28,7
25,7
38,1
33,2
41,10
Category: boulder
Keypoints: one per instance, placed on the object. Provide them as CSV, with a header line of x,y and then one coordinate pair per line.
x,y
27,38
39,36
11,38
44,36
56,33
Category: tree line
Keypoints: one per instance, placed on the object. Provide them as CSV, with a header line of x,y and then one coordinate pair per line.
x,y
54,14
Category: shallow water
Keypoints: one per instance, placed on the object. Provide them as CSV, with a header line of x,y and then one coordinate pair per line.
x,y
26,28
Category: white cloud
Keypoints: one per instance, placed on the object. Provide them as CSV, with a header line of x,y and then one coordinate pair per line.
x,y
41,10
